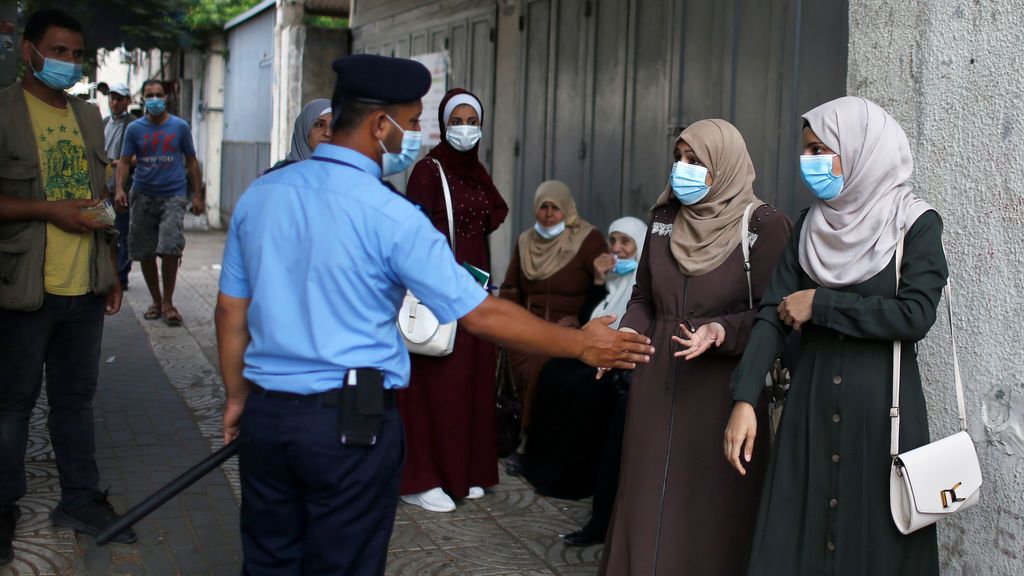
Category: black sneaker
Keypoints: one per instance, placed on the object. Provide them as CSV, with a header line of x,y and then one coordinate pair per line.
x,y
514,464
91,518
9,516
581,537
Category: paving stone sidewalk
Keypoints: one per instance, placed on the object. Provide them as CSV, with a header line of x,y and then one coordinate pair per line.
x,y
145,436
158,411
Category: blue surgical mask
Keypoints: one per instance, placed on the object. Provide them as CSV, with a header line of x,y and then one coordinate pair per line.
x,y
396,163
623,267
57,74
549,233
688,182
817,173
155,106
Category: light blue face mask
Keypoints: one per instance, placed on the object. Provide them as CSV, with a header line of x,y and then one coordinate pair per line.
x,y
396,163
623,267
57,74
688,182
549,233
155,106
817,173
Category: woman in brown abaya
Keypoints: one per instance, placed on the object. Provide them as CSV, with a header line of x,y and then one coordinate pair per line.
x,y
680,509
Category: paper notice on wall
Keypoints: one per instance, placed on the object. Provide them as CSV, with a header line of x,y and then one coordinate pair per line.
x,y
437,63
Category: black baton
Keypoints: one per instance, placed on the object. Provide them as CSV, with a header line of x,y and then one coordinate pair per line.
x,y
170,490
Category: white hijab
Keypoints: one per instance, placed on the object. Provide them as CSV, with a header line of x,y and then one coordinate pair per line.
x,y
849,239
620,288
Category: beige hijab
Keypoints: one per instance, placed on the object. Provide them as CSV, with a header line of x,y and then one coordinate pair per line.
x,y
706,233
849,239
540,258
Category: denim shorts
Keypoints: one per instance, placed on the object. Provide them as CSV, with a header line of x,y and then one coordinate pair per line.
x,y
157,226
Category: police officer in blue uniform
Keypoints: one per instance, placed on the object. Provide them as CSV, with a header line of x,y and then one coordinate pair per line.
x,y
317,260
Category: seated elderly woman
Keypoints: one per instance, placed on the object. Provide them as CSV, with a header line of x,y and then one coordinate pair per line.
x,y
575,437
551,275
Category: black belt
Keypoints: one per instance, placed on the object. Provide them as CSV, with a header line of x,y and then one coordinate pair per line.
x,y
328,398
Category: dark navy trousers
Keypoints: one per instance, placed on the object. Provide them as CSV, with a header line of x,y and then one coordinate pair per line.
x,y
311,505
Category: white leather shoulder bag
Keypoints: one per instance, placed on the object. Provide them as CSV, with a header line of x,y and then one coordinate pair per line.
x,y
420,329
938,479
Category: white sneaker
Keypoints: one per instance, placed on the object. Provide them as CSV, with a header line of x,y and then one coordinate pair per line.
x,y
434,500
474,493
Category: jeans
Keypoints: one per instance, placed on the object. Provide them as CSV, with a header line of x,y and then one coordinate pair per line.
x,y
63,336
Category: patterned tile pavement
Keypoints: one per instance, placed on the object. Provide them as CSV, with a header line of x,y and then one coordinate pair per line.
x,y
509,531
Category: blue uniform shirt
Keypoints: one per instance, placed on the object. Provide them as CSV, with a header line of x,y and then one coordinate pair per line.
x,y
325,252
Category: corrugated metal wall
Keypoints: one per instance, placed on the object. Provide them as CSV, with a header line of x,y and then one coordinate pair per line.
x,y
607,85
466,34
248,106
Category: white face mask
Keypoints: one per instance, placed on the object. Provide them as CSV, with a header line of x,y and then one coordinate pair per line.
x,y
463,138
549,233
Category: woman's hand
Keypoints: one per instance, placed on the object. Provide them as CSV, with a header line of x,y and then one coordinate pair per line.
x,y
739,435
696,343
601,371
603,264
796,308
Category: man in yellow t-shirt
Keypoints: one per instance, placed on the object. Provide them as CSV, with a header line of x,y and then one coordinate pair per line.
x,y
57,278
64,175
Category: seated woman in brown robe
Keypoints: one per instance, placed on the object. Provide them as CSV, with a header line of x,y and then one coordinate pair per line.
x,y
680,508
551,274
825,507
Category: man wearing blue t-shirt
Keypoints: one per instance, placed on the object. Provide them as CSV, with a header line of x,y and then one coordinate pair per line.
x,y
162,145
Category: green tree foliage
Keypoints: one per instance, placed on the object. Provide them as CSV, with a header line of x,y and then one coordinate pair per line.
x,y
152,24
207,16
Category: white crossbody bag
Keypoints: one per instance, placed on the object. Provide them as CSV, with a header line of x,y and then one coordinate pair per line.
x,y
938,479
420,329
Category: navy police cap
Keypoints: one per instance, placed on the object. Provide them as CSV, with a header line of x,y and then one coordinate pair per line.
x,y
382,79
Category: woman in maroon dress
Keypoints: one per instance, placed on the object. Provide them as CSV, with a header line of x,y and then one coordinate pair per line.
x,y
448,408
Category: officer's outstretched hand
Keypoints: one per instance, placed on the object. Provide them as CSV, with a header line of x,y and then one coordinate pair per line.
x,y
614,349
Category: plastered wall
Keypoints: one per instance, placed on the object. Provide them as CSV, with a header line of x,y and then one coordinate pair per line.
x,y
950,71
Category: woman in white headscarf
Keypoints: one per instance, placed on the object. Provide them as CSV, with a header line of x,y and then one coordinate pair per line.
x,y
825,505
572,411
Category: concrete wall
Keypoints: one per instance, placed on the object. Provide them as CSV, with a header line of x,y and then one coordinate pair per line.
x,y
950,72
211,126
322,47
289,40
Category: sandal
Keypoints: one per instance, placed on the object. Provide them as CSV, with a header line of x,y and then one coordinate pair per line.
x,y
172,317
153,312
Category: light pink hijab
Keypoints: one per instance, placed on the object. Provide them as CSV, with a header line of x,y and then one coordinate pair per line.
x,y
849,239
